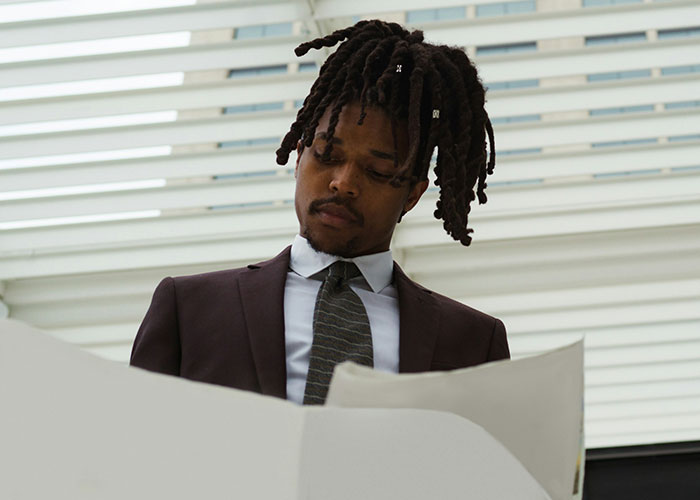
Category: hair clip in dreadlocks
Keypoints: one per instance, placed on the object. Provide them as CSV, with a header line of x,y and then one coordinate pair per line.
x,y
398,68
436,113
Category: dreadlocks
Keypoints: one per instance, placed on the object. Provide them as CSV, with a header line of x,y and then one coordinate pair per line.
x,y
434,89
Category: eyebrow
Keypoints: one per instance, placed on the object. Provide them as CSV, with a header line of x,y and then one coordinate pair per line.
x,y
379,154
324,136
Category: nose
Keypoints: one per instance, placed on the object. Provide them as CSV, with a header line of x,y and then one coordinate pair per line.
x,y
345,180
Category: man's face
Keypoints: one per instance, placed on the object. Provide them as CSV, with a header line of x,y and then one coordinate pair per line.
x,y
346,206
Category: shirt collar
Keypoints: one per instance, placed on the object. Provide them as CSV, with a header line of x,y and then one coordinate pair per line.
x,y
376,268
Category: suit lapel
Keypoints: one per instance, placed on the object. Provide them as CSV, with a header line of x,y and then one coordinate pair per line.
x,y
262,295
419,318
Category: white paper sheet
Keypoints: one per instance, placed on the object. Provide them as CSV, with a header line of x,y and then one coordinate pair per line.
x,y
405,455
534,406
73,426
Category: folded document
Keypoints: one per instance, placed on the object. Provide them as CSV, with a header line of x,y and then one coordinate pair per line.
x,y
533,406
74,426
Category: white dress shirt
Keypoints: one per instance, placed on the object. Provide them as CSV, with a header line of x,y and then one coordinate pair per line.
x,y
374,288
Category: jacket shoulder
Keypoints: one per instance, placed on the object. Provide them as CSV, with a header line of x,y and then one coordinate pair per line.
x,y
467,336
208,278
225,277
451,306
446,305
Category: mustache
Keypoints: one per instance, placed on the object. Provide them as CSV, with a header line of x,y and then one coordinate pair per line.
x,y
316,205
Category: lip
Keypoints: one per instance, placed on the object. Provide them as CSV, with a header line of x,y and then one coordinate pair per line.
x,y
336,215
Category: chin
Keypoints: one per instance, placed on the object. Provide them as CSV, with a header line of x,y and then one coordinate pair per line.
x,y
341,248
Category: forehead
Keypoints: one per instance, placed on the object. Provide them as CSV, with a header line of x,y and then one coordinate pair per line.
x,y
374,133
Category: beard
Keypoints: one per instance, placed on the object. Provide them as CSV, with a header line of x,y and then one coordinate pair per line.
x,y
346,249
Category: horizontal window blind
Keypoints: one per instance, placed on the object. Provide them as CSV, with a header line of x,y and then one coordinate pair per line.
x,y
151,153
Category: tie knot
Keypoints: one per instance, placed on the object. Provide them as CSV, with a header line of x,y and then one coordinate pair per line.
x,y
343,270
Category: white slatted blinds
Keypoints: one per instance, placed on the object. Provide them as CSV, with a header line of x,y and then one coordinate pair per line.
x,y
137,141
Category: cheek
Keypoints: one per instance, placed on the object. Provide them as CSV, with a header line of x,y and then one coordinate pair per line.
x,y
394,203
301,199
308,180
385,212
303,183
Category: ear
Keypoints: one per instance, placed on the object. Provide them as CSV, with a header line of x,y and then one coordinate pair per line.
x,y
300,150
414,195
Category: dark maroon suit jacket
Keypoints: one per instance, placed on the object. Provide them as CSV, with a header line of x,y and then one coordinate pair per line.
x,y
227,328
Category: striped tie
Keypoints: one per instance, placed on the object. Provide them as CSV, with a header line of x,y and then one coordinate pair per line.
x,y
341,331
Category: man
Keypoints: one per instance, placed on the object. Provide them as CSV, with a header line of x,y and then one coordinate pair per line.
x,y
364,139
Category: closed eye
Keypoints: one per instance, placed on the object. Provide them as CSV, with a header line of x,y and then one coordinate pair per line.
x,y
379,175
330,161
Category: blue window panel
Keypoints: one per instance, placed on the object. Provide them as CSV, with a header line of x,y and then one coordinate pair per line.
x,y
620,38
241,108
619,75
524,84
432,15
250,142
249,108
522,182
448,13
262,31
629,172
245,175
243,205
257,71
512,85
680,138
522,7
620,110
679,33
421,16
600,3
248,32
685,169
269,106
606,111
681,105
642,108
307,67
279,29
298,103
264,140
505,8
515,119
487,50
630,142
523,151
680,70
490,10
